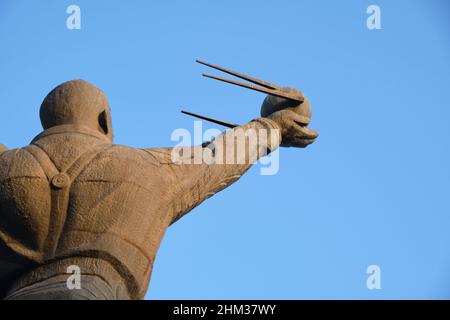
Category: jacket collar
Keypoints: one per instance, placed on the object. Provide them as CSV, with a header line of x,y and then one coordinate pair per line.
x,y
69,128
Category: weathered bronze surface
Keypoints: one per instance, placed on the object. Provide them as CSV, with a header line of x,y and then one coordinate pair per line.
x,y
74,198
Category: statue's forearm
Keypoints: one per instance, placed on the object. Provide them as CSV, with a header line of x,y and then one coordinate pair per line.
x,y
211,168
2,148
246,144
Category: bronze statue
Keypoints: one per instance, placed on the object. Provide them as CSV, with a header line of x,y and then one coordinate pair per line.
x,y
73,198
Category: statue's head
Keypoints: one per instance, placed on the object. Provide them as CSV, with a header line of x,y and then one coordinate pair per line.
x,y
77,102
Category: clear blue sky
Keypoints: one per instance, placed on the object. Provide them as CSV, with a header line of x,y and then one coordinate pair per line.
x,y
374,189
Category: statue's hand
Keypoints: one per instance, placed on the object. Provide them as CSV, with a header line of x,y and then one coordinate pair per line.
x,y
292,117
273,104
294,131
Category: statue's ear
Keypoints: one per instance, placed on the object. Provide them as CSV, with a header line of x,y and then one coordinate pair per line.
x,y
103,121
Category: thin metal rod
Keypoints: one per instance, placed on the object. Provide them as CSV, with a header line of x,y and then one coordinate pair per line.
x,y
272,92
241,75
222,123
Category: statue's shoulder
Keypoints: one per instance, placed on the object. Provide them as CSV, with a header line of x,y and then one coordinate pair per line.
x,y
19,162
116,154
162,155
121,157
159,155
122,151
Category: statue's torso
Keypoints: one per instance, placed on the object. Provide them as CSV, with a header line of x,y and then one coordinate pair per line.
x,y
116,208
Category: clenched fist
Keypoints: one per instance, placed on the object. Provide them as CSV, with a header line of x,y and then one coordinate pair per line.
x,y
292,117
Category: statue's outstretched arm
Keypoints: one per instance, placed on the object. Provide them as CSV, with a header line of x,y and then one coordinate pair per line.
x,y
2,148
197,173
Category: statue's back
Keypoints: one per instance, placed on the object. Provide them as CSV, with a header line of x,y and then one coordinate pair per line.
x,y
71,195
